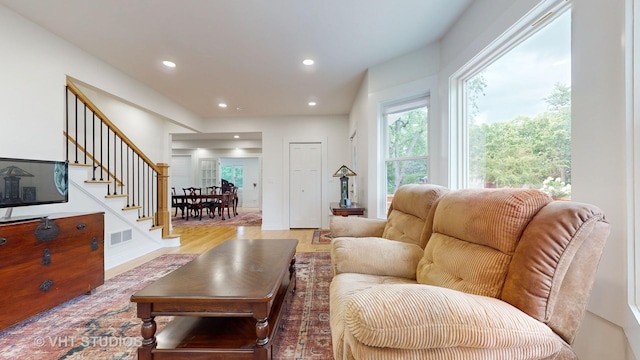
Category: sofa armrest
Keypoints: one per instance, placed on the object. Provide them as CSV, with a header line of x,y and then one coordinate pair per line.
x,y
416,316
356,226
375,256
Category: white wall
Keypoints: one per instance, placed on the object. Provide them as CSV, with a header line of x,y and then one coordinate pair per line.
x,y
358,122
600,159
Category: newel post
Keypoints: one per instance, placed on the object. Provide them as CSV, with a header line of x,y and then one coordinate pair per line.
x,y
163,198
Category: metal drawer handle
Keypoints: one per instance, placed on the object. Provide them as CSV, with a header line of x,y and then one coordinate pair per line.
x,y
3,241
81,226
46,285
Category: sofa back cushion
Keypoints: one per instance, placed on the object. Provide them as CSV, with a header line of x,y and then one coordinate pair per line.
x,y
475,233
410,215
554,266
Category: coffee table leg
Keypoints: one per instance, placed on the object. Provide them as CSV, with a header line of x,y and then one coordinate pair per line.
x,y
148,332
262,331
292,272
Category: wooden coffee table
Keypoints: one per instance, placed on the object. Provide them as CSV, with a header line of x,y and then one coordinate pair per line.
x,y
228,303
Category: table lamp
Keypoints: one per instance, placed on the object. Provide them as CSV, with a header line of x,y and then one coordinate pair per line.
x,y
343,173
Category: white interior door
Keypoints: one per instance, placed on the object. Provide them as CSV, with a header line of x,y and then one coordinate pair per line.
x,y
305,190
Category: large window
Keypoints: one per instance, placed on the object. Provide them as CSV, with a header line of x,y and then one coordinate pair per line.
x,y
517,107
405,133
233,174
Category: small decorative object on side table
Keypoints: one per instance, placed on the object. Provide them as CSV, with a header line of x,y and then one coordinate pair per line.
x,y
342,173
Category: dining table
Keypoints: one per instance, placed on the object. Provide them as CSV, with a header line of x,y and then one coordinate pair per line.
x,y
224,201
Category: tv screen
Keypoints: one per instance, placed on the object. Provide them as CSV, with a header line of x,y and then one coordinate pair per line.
x,y
26,182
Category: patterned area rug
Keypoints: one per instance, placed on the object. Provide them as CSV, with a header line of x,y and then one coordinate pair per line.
x,y
321,237
105,326
253,218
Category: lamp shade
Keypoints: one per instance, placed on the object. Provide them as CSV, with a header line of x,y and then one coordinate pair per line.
x,y
14,171
344,171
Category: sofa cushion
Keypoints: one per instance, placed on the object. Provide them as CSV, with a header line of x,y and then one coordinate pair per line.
x,y
556,260
342,287
422,317
375,256
475,233
410,213
356,226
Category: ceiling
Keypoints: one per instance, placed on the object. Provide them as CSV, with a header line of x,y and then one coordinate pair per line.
x,y
247,53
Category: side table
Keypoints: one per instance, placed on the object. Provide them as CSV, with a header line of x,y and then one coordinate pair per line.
x,y
354,209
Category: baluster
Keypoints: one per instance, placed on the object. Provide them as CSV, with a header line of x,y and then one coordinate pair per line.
x,y
133,178
85,133
122,178
140,183
76,130
101,149
93,144
66,110
115,161
108,162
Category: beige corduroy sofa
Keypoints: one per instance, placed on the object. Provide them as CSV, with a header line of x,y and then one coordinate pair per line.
x,y
464,274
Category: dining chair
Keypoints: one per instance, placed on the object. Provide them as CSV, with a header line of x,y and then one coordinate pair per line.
x,y
228,201
194,205
177,203
211,204
234,199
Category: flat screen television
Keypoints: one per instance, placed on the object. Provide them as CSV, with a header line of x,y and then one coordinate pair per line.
x,y
26,182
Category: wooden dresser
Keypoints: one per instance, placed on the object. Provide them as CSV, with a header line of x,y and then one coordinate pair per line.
x,y
47,261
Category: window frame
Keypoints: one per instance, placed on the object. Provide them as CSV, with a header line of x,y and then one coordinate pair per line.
x,y
634,248
533,22
403,104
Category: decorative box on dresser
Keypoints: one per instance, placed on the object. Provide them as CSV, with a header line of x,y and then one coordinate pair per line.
x,y
47,261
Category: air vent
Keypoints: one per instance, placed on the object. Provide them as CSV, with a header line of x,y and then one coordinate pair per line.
x,y
120,237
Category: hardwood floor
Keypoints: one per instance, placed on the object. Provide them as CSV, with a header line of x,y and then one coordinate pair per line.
x,y
196,240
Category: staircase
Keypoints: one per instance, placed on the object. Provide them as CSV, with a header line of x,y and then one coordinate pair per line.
x,y
108,173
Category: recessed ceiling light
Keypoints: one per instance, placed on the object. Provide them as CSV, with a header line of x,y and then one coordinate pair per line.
x,y
168,63
236,136
308,62
312,103
222,105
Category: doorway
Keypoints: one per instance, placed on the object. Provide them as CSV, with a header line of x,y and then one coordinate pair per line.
x,y
305,185
245,174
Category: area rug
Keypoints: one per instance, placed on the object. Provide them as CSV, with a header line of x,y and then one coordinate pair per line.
x,y
321,237
253,218
105,326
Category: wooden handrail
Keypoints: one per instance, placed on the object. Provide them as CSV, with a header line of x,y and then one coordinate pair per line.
x,y
74,89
